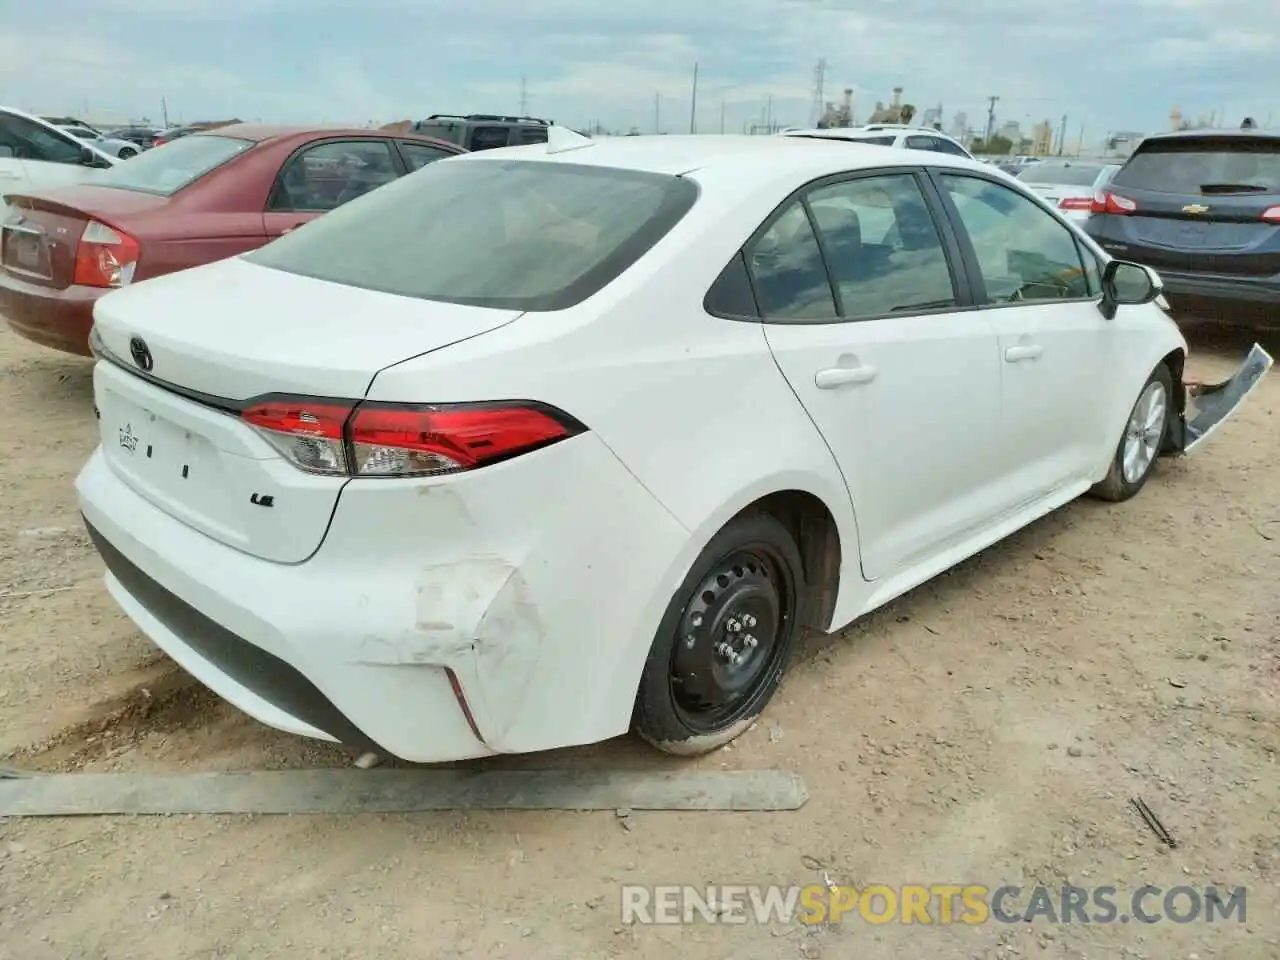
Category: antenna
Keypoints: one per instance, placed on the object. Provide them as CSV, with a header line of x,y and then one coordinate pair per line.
x,y
693,101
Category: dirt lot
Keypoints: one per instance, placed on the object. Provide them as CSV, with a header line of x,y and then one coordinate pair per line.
x,y
988,728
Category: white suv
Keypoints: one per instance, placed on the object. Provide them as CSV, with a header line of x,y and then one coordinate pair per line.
x,y
35,154
889,135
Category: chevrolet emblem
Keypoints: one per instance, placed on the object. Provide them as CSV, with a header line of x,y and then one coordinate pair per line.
x,y
1195,208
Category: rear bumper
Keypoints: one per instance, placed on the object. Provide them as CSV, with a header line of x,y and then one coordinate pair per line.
x,y
60,319
559,570
1225,289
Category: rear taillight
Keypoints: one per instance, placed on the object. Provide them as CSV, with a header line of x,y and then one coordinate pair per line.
x,y
1075,203
1104,201
399,440
105,257
1271,214
159,142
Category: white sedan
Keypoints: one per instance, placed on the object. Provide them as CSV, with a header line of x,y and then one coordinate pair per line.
x,y
542,444
1070,185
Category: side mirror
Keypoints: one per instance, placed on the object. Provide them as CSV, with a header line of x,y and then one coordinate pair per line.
x,y
1128,284
88,158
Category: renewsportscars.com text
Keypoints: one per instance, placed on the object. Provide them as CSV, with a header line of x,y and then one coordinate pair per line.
x,y
940,904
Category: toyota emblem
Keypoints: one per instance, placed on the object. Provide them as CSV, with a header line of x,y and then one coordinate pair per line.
x,y
141,353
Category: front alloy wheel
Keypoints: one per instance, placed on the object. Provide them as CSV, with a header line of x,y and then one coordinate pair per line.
x,y
1143,439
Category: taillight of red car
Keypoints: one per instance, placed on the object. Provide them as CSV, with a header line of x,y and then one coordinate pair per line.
x,y
1104,201
1075,203
373,439
1271,215
106,256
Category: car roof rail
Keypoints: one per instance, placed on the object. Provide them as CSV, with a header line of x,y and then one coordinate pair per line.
x,y
493,117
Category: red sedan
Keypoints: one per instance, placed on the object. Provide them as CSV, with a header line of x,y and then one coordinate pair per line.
x,y
204,197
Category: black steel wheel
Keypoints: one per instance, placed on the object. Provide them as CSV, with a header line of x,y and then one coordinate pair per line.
x,y
725,640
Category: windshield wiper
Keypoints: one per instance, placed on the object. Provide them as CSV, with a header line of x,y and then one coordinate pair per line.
x,y
1207,188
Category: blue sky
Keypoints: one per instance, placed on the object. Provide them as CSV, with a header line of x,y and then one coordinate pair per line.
x,y
1106,64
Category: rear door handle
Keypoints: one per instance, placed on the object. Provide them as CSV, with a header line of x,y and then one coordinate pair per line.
x,y
840,376
1024,352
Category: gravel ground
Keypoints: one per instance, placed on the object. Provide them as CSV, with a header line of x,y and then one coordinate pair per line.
x,y
988,728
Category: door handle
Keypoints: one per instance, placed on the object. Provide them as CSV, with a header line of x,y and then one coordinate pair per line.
x,y
840,376
1025,352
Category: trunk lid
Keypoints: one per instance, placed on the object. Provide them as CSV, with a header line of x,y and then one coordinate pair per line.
x,y
1200,201
41,248
222,334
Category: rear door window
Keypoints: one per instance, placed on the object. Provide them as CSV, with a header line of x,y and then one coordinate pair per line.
x,y
533,135
418,155
324,177
487,138
882,246
1204,166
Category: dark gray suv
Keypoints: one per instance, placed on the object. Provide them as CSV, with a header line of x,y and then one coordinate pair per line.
x,y
483,131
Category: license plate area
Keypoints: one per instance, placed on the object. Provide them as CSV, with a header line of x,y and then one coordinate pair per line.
x,y
178,470
26,252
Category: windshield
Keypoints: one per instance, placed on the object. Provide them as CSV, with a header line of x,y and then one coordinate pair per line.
x,y
1067,174
516,235
166,171
1196,165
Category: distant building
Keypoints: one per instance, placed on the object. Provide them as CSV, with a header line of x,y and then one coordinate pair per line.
x,y
839,115
960,126
1011,130
1042,138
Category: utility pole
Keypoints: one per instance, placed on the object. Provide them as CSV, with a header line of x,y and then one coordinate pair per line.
x,y
693,101
657,113
819,106
524,98
722,116
991,118
1062,135
768,114
164,112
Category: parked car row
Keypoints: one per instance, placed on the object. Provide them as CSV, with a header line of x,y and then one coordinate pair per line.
x,y
206,196
458,468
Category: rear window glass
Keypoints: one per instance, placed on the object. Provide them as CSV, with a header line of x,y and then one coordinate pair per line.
x,y
1067,174
167,169
1196,165
518,235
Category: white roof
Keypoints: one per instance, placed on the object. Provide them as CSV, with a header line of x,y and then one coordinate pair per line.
x,y
738,157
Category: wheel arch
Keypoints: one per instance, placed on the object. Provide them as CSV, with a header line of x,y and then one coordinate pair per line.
x,y
821,518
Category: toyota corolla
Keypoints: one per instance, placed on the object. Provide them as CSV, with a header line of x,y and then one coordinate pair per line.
x,y
543,444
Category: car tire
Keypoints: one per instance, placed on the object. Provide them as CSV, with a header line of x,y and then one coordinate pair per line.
x,y
125,153
724,642
1146,431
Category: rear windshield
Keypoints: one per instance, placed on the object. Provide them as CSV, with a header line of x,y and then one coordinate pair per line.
x,y
166,170
1067,174
509,234
1204,165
